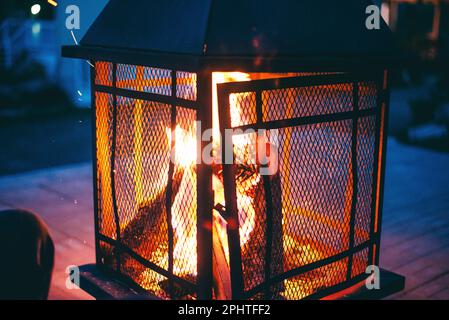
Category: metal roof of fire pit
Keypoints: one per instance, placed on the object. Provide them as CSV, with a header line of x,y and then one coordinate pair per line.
x,y
253,34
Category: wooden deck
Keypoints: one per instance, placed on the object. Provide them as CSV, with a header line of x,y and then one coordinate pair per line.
x,y
415,240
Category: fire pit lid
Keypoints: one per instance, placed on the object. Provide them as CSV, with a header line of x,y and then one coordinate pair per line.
x,y
243,32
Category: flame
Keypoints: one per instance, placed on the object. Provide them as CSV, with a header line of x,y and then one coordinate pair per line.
x,y
184,204
224,77
185,147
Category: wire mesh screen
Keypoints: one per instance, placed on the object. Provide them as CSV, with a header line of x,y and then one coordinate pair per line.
x,y
306,227
147,79
146,178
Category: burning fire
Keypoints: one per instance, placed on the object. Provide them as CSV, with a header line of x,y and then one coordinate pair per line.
x,y
184,204
184,213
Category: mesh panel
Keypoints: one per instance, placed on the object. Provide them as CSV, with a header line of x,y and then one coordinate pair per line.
x,y
306,101
315,167
103,73
365,163
367,95
312,187
244,110
311,193
137,153
141,173
145,277
186,85
311,282
147,79
359,263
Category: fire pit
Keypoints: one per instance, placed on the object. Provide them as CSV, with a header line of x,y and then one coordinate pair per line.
x,y
180,227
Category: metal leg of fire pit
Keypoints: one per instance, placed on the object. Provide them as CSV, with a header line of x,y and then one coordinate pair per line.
x,y
104,286
389,284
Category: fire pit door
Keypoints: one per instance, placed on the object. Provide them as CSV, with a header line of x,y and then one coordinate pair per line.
x,y
305,224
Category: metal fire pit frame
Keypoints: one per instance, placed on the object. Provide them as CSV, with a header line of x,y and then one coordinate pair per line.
x,y
204,67
194,41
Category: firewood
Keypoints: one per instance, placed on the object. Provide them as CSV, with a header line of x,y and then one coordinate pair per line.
x,y
147,232
220,268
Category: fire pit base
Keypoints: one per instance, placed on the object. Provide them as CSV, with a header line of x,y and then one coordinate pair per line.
x,y
107,286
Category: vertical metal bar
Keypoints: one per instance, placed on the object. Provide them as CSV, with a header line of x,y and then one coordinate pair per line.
x,y
229,185
384,135
354,166
204,189
94,161
376,167
168,199
269,211
113,147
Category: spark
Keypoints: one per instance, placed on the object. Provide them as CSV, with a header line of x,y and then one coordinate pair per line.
x,y
52,2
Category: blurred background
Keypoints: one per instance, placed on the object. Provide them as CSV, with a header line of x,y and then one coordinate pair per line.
x,y
45,137
45,98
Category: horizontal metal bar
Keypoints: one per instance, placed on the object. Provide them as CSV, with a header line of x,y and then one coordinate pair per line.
x,y
192,62
294,82
296,122
337,287
147,263
306,268
147,96
106,284
302,63
182,62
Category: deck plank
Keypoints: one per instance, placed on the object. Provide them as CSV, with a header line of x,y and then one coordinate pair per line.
x,y
63,198
415,235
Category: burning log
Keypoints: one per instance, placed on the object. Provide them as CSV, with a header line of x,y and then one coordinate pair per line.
x,y
145,232
220,268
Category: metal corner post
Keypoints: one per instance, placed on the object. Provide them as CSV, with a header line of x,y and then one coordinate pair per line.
x,y
204,189
385,105
94,162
